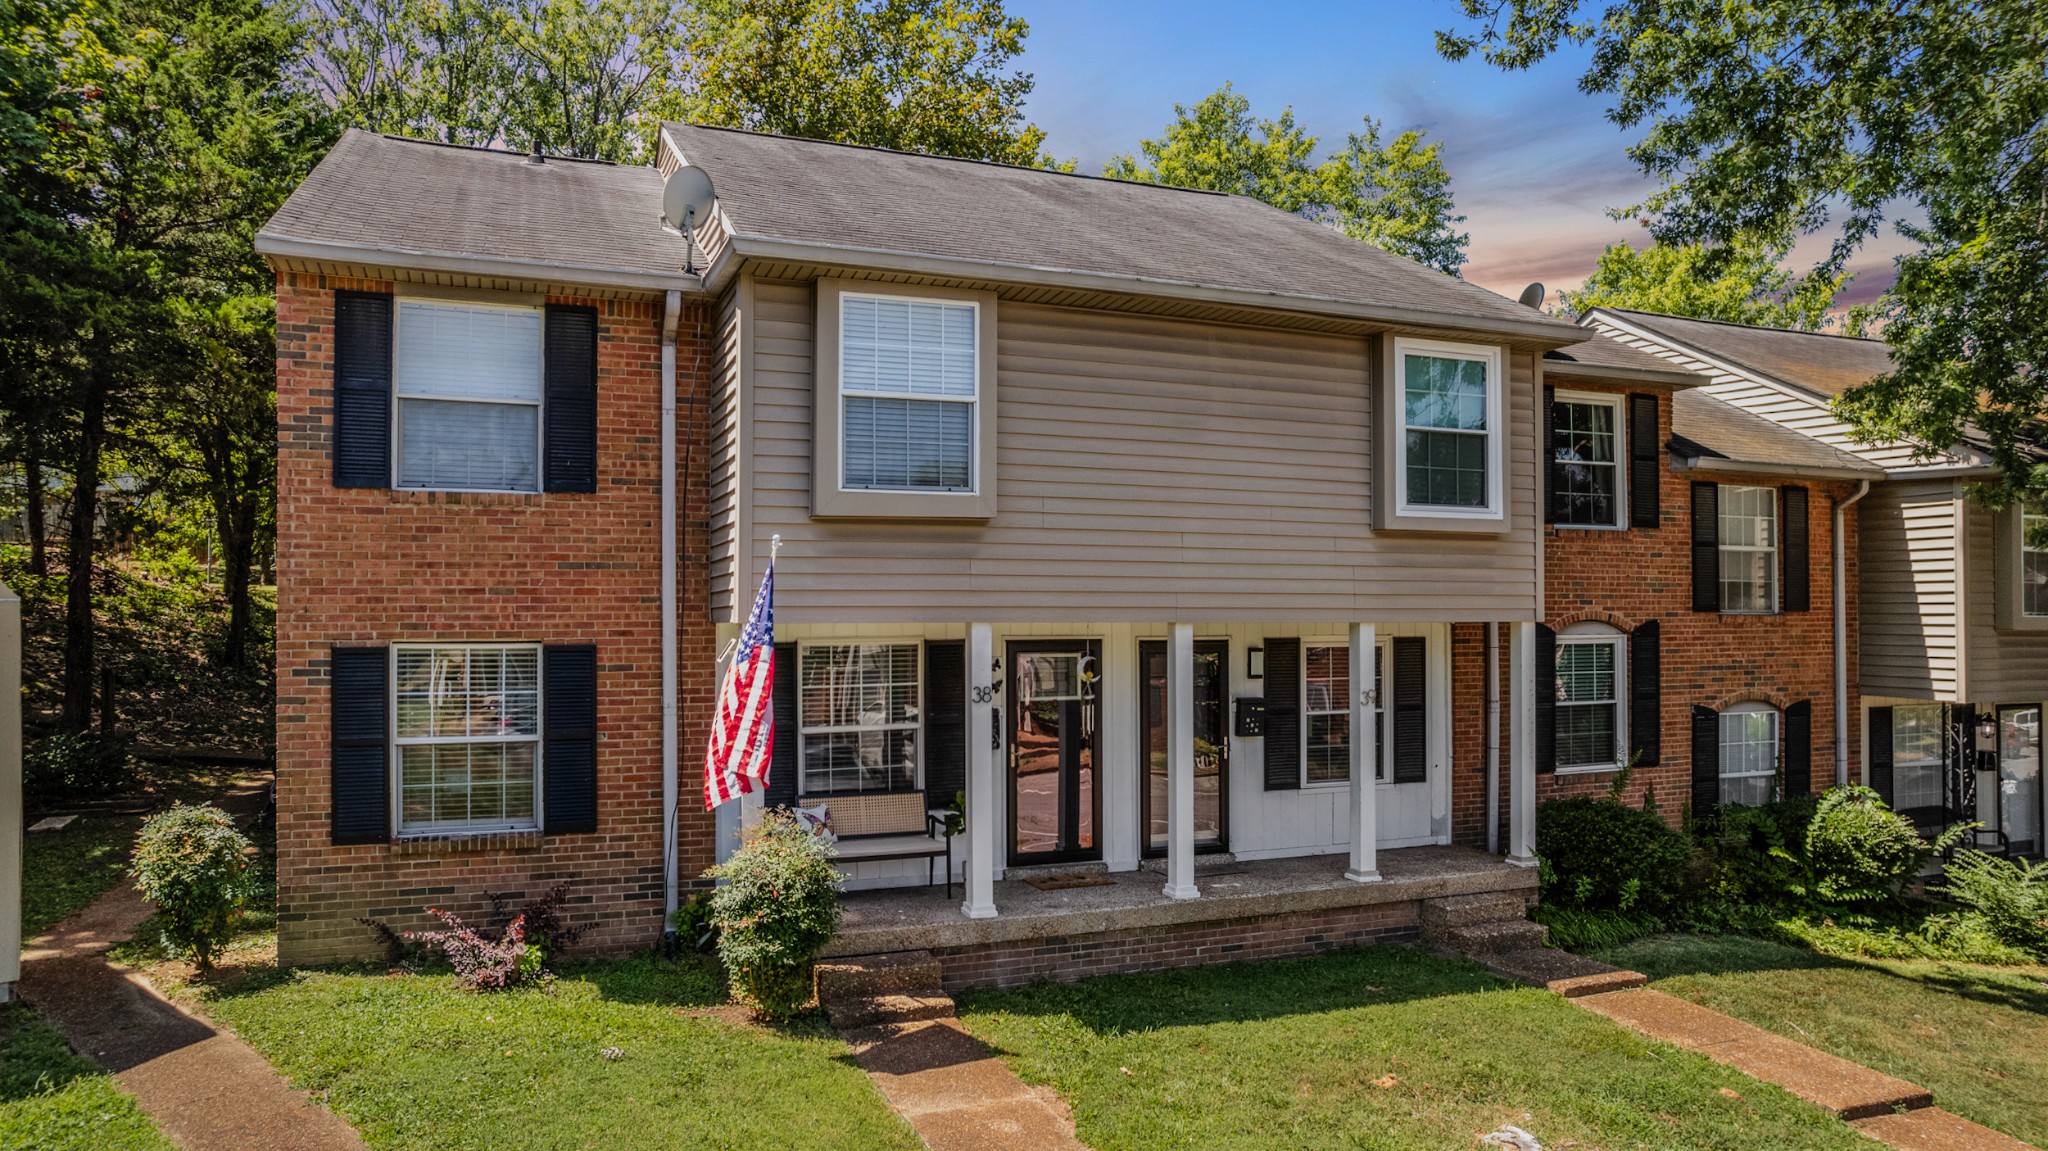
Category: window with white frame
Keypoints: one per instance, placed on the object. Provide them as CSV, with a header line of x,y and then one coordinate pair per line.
x,y
860,713
2034,560
1749,549
1585,460
909,379
468,382
1326,713
468,736
1449,446
1749,753
1919,755
1590,718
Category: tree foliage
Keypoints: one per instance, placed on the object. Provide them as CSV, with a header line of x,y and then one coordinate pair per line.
x,y
1394,194
1746,286
1776,119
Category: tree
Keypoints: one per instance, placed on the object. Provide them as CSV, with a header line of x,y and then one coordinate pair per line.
x,y
583,75
919,75
1745,286
1395,195
1778,119
438,69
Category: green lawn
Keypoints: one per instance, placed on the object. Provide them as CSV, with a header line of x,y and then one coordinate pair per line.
x,y
1975,1036
1378,1048
52,1100
415,1062
63,871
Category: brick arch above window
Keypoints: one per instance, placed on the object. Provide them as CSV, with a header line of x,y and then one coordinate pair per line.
x,y
1620,623
1776,699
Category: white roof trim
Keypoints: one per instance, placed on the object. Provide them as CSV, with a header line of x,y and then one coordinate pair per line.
x,y
592,275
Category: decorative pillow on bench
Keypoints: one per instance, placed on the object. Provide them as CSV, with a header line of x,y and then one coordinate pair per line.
x,y
818,821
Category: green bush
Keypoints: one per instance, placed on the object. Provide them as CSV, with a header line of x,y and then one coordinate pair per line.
x,y
1754,856
778,905
1859,852
75,765
2005,898
192,863
1599,854
1584,929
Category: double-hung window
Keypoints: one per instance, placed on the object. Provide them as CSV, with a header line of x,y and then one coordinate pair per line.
x,y
469,396
1590,718
1749,753
1448,404
468,736
909,380
2034,560
1919,754
860,713
1749,548
1585,460
1326,712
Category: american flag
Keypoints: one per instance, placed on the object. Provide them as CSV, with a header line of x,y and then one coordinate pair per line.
x,y
743,733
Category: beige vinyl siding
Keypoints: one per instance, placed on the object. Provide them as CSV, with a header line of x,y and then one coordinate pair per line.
x,y
2003,666
727,457
1152,469
1906,564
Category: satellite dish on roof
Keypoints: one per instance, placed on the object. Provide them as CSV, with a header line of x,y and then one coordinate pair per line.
x,y
686,197
1532,296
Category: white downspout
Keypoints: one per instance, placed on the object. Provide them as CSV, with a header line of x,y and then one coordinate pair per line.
x,y
1842,719
1492,738
671,313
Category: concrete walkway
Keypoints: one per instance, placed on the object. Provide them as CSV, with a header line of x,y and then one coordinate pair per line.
x,y
206,1089
956,1093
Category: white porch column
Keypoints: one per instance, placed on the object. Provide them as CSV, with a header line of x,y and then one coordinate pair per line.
x,y
1364,820
1522,745
1180,763
980,882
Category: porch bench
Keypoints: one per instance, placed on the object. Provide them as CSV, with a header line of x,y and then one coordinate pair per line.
x,y
890,825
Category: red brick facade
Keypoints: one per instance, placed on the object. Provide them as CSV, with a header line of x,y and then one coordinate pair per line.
x,y
373,567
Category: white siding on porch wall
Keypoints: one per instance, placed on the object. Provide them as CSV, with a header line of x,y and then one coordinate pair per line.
x,y
1263,824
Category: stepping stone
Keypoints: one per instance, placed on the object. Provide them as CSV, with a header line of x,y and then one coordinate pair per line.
x,y
53,822
1932,1129
1569,975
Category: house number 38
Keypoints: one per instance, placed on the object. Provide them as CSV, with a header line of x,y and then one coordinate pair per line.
x,y
984,694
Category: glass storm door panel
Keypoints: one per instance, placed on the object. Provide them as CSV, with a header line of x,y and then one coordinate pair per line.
x,y
2019,777
1055,800
1212,744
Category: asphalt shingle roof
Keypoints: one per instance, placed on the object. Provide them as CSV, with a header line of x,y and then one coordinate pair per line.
x,y
1602,356
1706,428
1817,361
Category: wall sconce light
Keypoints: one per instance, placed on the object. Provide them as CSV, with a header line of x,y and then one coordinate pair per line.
x,y
1255,663
1987,733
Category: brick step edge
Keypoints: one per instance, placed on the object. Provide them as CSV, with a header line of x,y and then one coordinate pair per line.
x,y
1465,910
1481,939
862,976
879,1010
1571,976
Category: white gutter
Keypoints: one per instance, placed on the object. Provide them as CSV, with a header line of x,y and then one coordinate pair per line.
x,y
1842,640
272,245
1492,737
1683,464
670,789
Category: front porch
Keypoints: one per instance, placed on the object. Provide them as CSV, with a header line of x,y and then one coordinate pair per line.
x,y
1254,910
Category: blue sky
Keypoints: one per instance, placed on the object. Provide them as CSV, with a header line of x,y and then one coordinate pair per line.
x,y
1534,164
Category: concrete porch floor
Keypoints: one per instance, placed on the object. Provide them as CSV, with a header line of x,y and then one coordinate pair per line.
x,y
923,918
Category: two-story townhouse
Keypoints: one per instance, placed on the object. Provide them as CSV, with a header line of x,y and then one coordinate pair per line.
x,y
1953,632
1699,589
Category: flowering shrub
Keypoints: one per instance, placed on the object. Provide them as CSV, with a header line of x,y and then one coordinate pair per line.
x,y
777,907
546,933
192,863
1859,851
482,963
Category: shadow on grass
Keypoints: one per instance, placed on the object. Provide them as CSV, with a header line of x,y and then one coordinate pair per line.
x,y
1240,993
34,1059
1661,957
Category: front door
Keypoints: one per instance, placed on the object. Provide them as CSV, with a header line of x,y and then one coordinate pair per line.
x,y
1055,792
2019,778
1212,744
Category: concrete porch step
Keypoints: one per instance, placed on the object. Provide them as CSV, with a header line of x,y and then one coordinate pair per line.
x,y
1490,938
1204,864
1048,870
1465,910
877,1010
866,976
1569,975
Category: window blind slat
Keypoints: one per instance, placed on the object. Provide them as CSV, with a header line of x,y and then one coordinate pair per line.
x,y
474,353
457,444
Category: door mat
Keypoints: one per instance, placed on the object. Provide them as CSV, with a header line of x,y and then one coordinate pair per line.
x,y
1062,882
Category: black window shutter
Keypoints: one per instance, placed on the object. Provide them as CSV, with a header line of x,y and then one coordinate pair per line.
x,y
568,765
1706,761
1548,455
782,755
1546,698
945,723
1792,553
571,368
1411,709
1283,714
1798,748
360,744
362,389
1879,777
1643,472
1646,693
1706,547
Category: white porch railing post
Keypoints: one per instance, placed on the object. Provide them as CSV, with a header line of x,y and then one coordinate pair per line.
x,y
1522,746
1180,763
981,773
1364,821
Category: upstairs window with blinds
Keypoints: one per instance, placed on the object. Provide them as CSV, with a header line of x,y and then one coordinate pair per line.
x,y
2034,560
909,379
468,384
